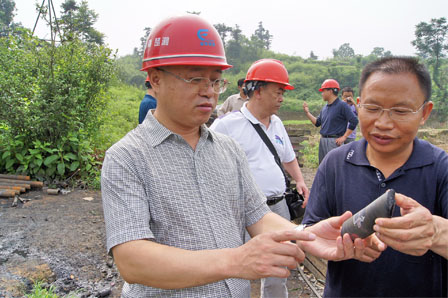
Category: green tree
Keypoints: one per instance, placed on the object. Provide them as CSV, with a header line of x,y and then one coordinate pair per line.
x,y
77,22
432,44
379,52
223,31
312,56
7,24
261,37
50,102
139,51
344,52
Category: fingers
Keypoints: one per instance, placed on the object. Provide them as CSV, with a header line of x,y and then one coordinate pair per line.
x,y
289,235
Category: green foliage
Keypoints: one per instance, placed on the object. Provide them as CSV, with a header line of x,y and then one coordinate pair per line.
x,y
77,22
432,45
121,115
128,71
311,154
40,292
50,101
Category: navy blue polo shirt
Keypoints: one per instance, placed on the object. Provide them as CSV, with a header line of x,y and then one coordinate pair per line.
x,y
334,118
148,103
346,181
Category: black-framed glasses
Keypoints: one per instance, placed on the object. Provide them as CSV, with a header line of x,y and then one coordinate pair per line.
x,y
219,86
395,113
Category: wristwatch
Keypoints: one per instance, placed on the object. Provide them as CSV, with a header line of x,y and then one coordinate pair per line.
x,y
300,227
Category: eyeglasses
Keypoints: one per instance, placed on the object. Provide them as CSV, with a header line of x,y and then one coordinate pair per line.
x,y
219,86
395,113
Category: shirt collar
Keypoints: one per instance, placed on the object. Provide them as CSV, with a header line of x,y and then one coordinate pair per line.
x,y
421,154
156,133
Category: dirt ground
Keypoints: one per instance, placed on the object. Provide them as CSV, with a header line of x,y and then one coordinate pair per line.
x,y
60,239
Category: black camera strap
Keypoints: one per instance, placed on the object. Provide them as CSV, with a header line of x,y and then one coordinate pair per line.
x,y
271,147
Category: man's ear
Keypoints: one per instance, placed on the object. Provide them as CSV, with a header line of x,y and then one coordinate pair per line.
x,y
154,78
426,112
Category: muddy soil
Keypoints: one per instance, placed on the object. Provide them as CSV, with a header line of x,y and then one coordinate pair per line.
x,y
60,240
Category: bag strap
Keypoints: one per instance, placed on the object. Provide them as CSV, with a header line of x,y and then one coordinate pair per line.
x,y
271,147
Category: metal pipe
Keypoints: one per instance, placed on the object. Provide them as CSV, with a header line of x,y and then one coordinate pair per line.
x,y
23,187
15,177
36,184
7,193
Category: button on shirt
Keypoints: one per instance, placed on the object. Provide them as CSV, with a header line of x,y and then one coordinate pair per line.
x,y
261,160
156,187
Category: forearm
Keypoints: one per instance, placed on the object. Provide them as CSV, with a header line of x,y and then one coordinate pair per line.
x,y
269,223
311,117
347,133
155,265
440,239
293,169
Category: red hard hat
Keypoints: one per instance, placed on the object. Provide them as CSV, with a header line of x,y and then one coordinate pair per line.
x,y
329,84
184,40
269,70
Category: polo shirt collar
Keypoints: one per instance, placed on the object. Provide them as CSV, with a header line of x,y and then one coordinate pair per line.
x,y
421,154
156,133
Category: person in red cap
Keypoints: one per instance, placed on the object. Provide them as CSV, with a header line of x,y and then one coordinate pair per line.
x,y
266,83
178,197
149,102
332,119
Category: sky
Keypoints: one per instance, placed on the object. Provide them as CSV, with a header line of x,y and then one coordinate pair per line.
x,y
298,26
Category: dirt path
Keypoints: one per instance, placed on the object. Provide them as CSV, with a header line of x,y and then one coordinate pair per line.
x,y
61,240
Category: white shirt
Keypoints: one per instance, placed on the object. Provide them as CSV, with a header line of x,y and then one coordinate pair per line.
x,y
262,164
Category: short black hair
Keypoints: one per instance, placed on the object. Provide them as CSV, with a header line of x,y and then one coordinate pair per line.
x,y
241,82
148,85
334,90
397,65
347,89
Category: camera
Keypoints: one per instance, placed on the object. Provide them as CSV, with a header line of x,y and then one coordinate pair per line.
x,y
294,200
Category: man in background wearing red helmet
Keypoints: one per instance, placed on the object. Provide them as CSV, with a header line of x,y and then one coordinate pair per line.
x,y
266,82
333,119
178,197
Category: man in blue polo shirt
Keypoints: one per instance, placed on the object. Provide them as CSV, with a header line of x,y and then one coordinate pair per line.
x,y
333,119
149,102
394,102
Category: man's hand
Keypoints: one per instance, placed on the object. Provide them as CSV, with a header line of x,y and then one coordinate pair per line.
x,y
373,247
303,190
331,246
305,107
410,233
340,141
270,255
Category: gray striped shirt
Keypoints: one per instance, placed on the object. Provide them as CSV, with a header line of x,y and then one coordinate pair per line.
x,y
155,186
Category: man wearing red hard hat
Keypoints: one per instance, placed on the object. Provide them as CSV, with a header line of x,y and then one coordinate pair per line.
x,y
178,197
266,83
333,119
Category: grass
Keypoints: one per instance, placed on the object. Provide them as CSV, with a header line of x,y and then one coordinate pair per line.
x,y
296,122
41,292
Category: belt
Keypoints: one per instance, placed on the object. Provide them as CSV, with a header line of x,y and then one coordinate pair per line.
x,y
331,136
274,200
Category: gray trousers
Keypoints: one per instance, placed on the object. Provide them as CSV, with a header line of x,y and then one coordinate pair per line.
x,y
325,146
274,287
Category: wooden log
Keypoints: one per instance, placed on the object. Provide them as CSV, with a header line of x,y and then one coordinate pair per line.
x,y
15,177
7,193
35,184
317,266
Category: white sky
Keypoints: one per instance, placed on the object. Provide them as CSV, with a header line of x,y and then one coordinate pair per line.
x,y
298,26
